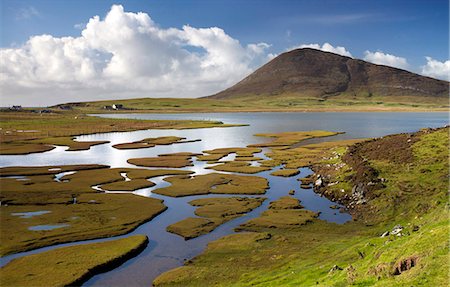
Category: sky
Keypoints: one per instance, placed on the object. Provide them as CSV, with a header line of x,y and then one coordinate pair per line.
x,y
55,51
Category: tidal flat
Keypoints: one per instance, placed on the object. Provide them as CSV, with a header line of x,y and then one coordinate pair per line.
x,y
170,250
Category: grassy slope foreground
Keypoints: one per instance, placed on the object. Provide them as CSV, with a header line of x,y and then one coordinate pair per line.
x,y
70,266
408,186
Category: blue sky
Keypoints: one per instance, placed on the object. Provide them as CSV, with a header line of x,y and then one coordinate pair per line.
x,y
410,30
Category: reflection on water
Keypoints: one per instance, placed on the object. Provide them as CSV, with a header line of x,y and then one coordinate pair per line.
x,y
167,250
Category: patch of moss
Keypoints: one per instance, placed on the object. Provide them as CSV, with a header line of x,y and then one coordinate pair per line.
x,y
67,141
45,170
213,212
285,172
215,155
290,138
214,183
151,142
131,185
169,160
239,166
247,158
307,155
70,266
285,212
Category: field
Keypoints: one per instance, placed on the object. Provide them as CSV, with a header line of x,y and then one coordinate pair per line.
x,y
257,103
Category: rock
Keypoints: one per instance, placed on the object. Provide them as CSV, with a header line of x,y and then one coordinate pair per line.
x,y
318,182
397,230
385,234
335,268
415,228
292,192
358,192
405,265
334,207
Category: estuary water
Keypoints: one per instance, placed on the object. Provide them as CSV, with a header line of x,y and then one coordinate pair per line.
x,y
165,250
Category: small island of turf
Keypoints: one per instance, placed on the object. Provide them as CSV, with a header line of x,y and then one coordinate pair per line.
x,y
152,142
239,167
175,160
213,212
70,266
213,183
285,212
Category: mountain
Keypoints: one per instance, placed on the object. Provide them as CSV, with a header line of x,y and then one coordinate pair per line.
x,y
310,72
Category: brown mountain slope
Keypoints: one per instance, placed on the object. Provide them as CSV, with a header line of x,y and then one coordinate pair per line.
x,y
309,72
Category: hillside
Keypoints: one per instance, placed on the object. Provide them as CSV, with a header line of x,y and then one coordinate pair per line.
x,y
310,72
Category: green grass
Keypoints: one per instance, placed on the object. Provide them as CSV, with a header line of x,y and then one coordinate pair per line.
x,y
70,266
415,196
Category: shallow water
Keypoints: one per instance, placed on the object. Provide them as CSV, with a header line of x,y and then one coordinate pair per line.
x,y
165,250
47,227
30,214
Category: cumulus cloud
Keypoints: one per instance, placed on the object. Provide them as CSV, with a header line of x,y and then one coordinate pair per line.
x,y
327,47
437,69
125,55
381,58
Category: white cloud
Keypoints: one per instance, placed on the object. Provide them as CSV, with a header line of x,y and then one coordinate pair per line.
x,y
437,69
327,47
381,58
125,55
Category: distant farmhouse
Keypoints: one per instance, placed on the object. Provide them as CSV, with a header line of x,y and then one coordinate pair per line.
x,y
16,108
114,107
